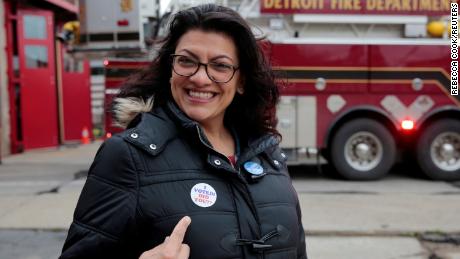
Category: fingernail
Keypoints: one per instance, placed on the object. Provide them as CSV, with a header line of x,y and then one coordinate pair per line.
x,y
187,219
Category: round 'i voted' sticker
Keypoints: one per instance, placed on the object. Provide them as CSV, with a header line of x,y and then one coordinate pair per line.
x,y
203,195
253,168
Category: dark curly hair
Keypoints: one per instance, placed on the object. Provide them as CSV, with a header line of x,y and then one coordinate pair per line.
x,y
252,113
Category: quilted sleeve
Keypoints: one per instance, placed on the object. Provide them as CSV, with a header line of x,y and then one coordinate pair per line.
x,y
104,219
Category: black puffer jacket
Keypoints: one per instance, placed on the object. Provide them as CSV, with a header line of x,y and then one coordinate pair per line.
x,y
145,179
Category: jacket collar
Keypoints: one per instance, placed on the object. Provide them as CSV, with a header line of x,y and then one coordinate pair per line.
x,y
256,145
151,131
179,117
168,119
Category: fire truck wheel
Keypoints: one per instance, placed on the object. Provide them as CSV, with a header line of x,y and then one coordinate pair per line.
x,y
438,150
363,149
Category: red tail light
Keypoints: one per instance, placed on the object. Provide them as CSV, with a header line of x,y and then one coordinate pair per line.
x,y
407,124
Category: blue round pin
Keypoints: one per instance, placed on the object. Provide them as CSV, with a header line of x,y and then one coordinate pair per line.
x,y
253,168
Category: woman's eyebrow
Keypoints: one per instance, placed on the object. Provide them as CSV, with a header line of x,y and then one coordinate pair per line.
x,y
222,56
190,53
196,57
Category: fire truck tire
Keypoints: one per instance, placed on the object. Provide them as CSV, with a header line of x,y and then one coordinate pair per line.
x,y
438,150
363,149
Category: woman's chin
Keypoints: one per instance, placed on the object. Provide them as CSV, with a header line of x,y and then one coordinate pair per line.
x,y
198,116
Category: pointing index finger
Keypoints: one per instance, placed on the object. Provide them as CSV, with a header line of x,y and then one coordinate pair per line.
x,y
177,236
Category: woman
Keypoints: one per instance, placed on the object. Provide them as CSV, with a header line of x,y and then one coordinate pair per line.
x,y
200,174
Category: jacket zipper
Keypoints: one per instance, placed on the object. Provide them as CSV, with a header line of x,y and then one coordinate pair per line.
x,y
240,178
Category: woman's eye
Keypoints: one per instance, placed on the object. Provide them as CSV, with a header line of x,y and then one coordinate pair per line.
x,y
186,61
221,66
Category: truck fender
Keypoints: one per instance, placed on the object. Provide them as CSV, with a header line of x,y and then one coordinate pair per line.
x,y
362,111
448,111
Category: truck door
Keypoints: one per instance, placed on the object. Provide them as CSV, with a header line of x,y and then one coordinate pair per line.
x,y
38,103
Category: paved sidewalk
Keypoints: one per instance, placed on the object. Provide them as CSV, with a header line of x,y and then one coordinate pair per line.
x,y
44,184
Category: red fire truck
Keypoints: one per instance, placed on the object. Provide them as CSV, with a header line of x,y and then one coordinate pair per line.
x,y
360,105
360,88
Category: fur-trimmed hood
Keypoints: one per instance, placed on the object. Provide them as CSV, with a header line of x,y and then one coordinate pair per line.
x,y
124,110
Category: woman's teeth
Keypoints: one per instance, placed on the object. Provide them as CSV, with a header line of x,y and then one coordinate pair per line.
x,y
201,95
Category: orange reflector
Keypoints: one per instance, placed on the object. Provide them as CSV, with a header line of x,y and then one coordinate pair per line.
x,y
108,135
407,124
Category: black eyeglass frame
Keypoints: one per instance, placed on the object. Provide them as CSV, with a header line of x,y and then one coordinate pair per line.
x,y
173,56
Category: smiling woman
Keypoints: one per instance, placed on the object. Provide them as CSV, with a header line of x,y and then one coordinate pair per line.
x,y
199,173
196,91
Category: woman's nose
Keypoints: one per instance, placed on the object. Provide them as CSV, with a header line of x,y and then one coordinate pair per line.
x,y
201,77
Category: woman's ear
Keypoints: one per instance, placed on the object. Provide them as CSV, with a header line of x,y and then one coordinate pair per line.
x,y
240,88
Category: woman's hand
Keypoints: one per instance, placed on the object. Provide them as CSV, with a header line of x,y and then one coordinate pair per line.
x,y
172,247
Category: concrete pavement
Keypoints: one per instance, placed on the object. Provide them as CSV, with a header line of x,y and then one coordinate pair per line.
x,y
39,190
44,184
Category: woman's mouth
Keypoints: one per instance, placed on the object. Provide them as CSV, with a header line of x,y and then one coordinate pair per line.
x,y
200,95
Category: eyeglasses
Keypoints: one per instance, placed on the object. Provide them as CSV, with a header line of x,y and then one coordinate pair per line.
x,y
217,71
